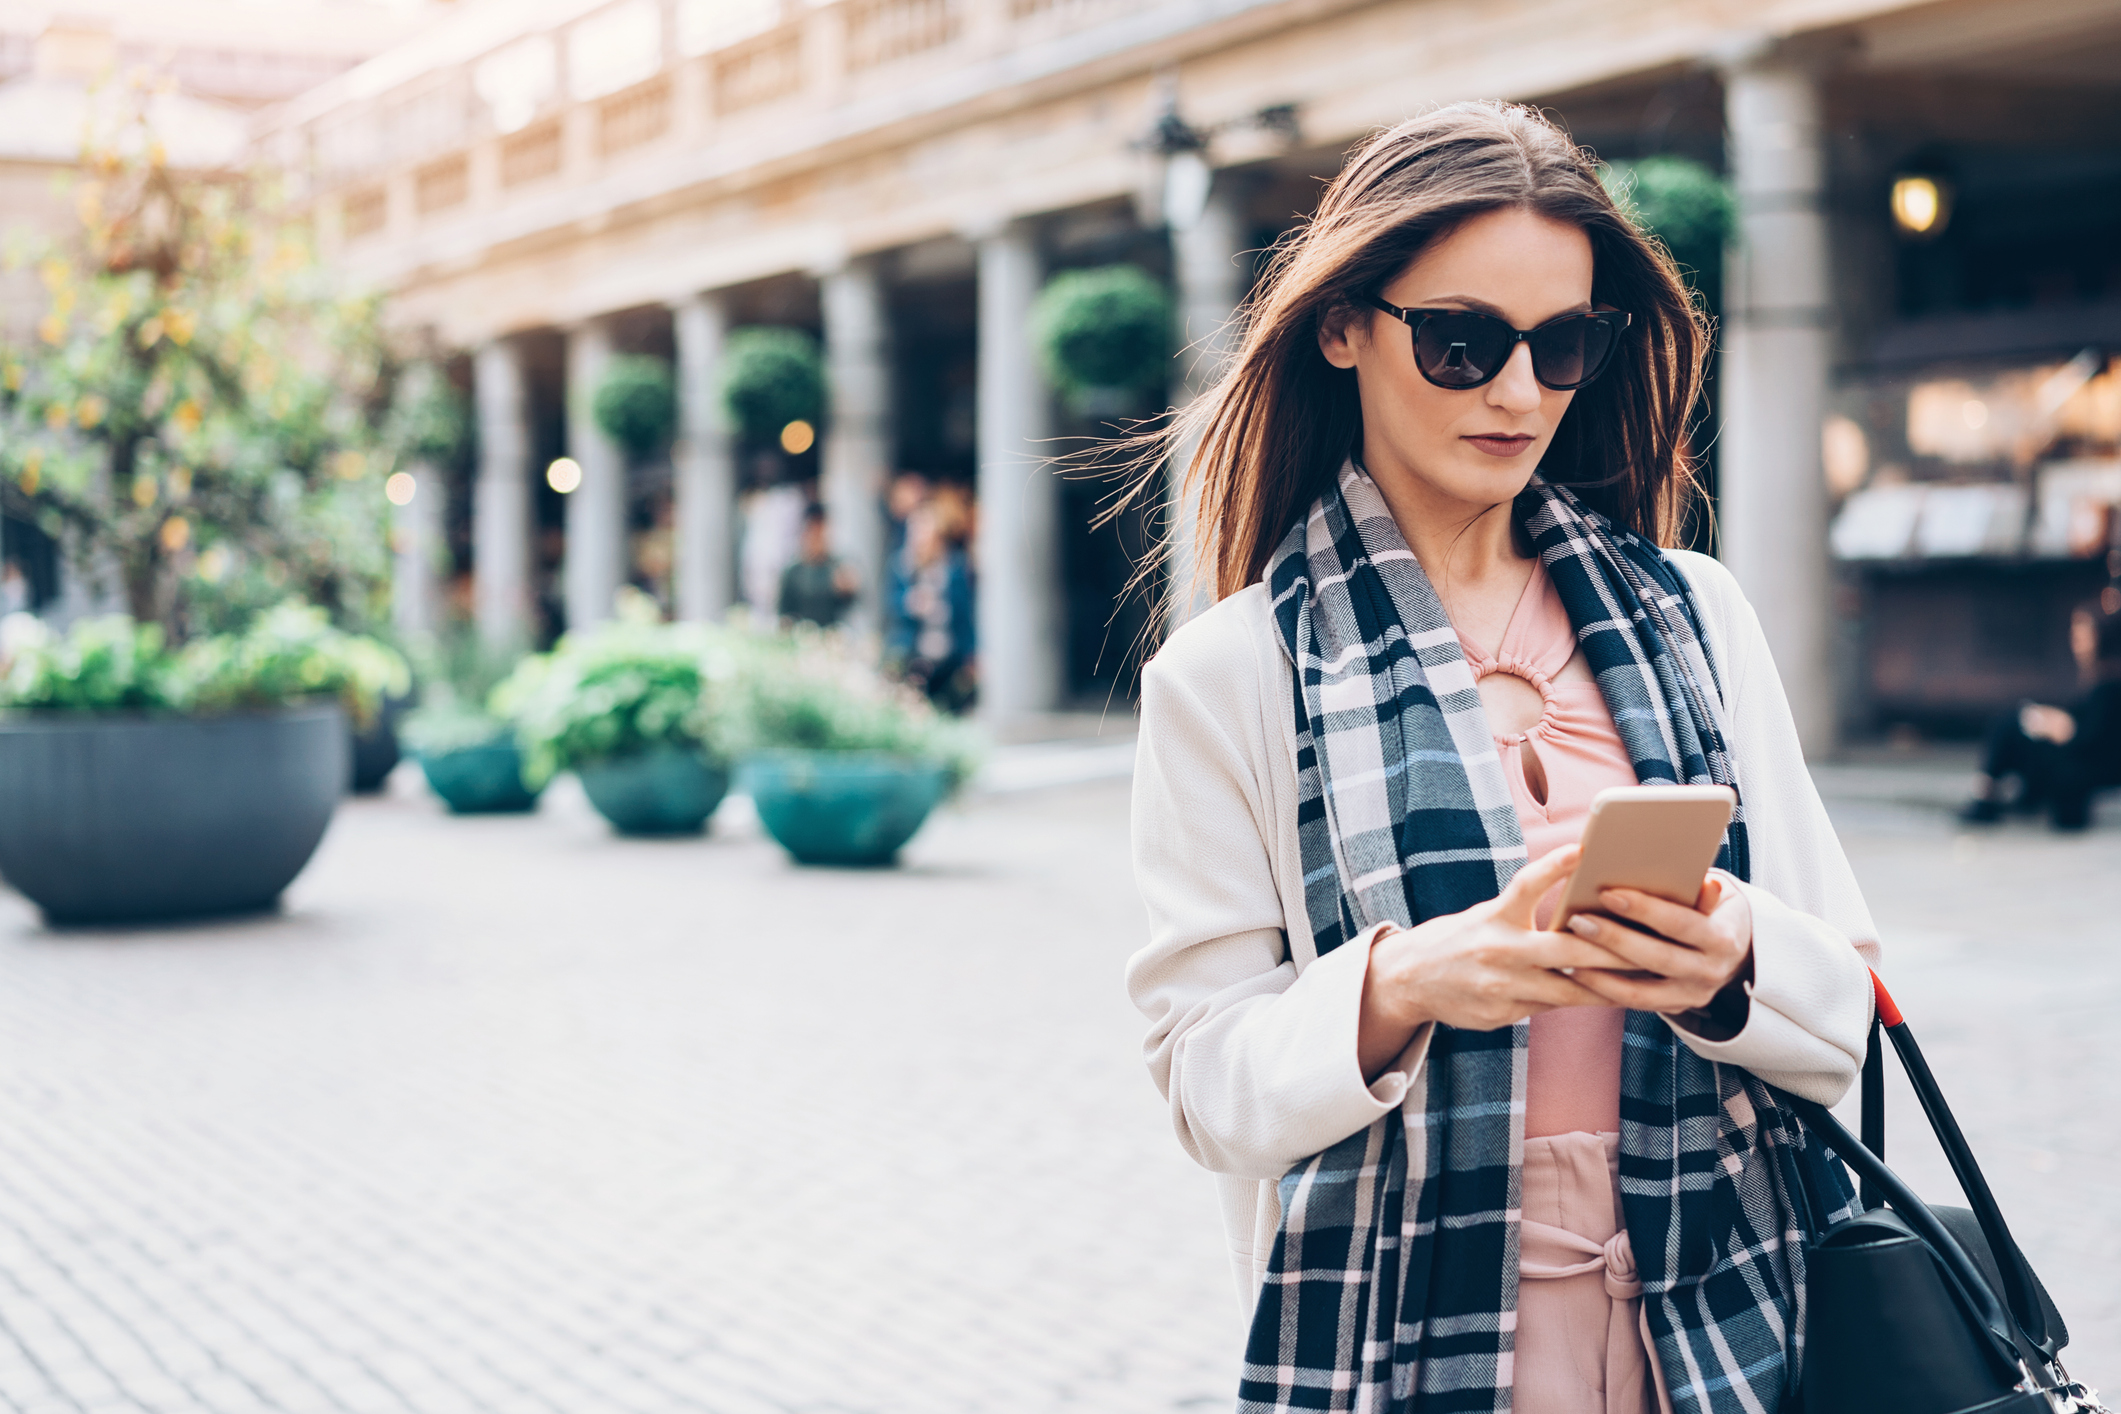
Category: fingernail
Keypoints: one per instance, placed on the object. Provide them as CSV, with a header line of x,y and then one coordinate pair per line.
x,y
1617,902
1583,926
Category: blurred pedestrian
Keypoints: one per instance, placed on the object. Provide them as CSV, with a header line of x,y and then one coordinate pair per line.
x,y
908,493
819,587
2060,756
14,589
772,528
938,605
1435,486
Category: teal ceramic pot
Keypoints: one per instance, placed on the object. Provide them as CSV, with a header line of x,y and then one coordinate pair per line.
x,y
843,807
479,780
666,791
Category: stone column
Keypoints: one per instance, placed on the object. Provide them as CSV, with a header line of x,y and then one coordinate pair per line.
x,y
596,511
1022,629
1211,284
705,463
1777,353
500,502
858,451
416,536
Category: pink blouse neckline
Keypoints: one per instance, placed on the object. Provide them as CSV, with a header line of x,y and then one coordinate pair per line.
x,y
1573,1080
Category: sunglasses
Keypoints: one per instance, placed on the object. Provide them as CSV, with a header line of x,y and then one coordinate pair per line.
x,y
1457,348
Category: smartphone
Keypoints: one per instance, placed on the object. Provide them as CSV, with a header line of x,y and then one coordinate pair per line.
x,y
1659,839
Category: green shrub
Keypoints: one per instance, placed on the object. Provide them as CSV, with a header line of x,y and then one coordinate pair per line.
x,y
104,665
290,654
636,403
770,378
440,728
808,691
429,419
620,690
1685,205
1103,329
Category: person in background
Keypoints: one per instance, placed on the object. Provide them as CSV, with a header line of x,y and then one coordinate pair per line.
x,y
771,515
14,589
2062,757
908,493
938,605
819,587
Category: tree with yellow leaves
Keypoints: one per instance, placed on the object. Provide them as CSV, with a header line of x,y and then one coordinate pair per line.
x,y
198,414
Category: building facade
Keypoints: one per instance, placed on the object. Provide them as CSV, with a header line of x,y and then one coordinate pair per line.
x,y
543,185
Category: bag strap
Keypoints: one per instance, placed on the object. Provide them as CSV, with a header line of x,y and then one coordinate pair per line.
x,y
2020,1292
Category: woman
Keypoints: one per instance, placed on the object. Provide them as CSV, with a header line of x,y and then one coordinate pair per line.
x,y
2062,756
1443,625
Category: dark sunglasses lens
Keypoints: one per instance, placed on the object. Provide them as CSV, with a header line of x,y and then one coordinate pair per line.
x,y
1461,350
1570,352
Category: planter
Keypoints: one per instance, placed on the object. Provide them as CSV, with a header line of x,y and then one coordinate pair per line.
x,y
375,751
479,780
127,817
666,791
843,807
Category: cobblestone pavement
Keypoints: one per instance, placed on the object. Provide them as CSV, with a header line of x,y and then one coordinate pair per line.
x,y
509,1115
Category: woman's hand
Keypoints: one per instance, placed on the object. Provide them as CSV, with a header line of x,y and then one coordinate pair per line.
x,y
1700,955
1478,970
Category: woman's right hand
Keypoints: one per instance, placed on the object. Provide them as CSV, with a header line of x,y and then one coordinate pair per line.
x,y
1486,967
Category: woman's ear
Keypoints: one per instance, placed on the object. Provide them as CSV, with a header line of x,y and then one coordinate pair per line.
x,y
1339,330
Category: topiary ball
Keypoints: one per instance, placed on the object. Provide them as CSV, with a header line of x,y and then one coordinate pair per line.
x,y
1685,205
771,377
636,403
1107,328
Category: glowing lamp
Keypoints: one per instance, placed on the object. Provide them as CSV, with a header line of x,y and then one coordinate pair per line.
x,y
1921,206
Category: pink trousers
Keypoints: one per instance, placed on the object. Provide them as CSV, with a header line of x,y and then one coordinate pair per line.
x,y
1582,1342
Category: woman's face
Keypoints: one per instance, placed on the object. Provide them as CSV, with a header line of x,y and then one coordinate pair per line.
x,y
1475,447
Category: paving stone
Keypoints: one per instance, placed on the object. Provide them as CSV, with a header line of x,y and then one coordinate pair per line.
x,y
509,1116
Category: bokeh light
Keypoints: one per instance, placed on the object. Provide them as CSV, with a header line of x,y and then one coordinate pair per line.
x,y
797,438
564,475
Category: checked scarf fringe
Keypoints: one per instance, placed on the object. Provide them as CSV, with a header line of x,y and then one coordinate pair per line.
x,y
1392,1286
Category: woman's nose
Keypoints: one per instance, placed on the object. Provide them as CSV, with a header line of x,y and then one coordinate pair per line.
x,y
1515,389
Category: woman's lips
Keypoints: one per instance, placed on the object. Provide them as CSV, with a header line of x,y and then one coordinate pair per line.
x,y
1501,445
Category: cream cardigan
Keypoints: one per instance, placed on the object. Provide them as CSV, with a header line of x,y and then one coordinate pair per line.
x,y
1252,1034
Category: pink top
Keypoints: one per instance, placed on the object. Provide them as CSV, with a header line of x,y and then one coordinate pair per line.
x,y
1573,1080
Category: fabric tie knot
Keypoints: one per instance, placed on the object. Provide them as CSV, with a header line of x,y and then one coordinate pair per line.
x,y
1621,1282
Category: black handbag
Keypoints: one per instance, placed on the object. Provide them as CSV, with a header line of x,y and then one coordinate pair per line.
x,y
1921,1309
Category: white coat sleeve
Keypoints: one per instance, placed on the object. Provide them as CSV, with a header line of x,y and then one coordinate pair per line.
x,y
1808,1019
1258,1061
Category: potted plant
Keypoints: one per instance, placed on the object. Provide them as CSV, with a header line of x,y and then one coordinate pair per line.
x,y
467,752
196,420
636,710
149,783
843,764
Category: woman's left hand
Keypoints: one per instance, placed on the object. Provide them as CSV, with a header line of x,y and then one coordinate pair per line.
x,y
1698,954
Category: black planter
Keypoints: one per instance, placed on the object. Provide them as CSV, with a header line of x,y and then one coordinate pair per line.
x,y
375,751
122,817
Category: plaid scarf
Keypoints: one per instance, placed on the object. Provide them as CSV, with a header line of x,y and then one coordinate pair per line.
x,y
1392,1287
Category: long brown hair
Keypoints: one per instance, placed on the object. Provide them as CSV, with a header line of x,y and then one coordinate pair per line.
x,y
1274,430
